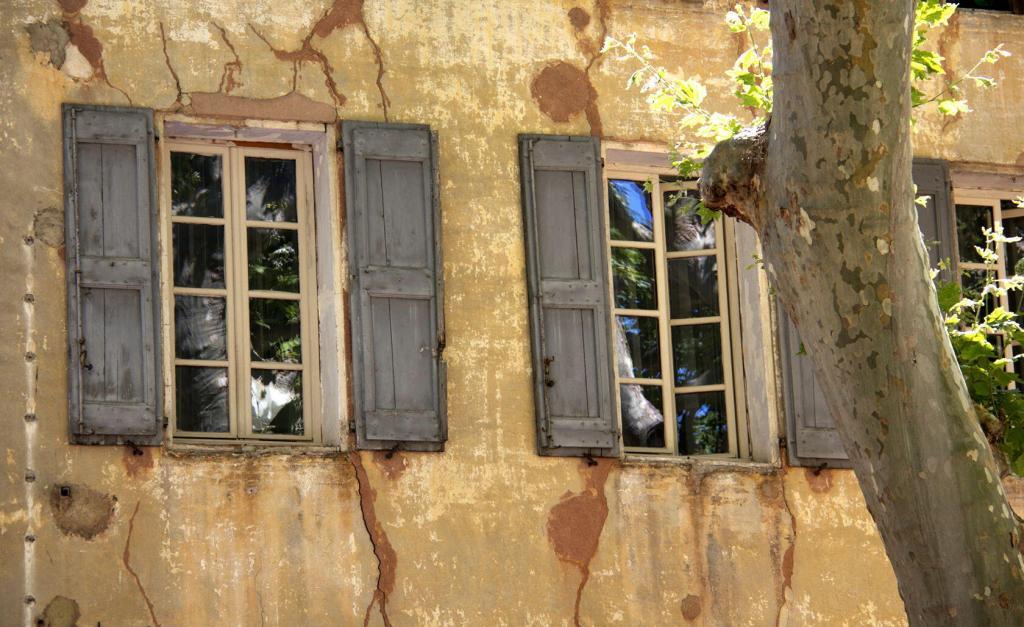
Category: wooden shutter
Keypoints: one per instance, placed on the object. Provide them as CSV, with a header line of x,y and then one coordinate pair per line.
x,y
397,308
810,429
567,277
114,380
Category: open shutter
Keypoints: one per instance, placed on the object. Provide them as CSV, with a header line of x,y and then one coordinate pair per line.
x,y
567,275
397,308
810,429
112,276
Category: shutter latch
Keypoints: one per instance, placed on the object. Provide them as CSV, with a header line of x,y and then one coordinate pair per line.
x,y
440,345
548,381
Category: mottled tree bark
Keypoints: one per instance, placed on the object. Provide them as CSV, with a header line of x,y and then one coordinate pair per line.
x,y
828,188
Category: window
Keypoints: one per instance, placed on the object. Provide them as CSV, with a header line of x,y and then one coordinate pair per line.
x,y
675,332
977,209
241,293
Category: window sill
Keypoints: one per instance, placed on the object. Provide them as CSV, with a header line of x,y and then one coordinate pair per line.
x,y
250,449
702,464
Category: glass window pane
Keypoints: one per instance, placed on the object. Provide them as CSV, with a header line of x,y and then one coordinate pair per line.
x,y
630,208
1014,259
196,188
634,279
638,352
200,327
693,287
683,228
697,354
701,420
276,402
198,255
270,189
974,282
643,423
274,326
201,399
970,219
274,260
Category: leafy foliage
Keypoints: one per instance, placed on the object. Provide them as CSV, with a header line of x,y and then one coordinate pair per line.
x,y
979,330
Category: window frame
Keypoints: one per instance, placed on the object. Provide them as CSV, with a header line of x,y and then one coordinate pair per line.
x,y
729,321
993,198
321,313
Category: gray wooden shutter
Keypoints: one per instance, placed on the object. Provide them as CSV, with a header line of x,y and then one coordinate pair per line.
x,y
397,304
810,429
567,277
114,380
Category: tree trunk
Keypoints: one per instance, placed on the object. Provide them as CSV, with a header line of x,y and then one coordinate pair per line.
x,y
829,190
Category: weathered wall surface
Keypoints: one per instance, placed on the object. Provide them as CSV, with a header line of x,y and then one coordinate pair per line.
x,y
487,532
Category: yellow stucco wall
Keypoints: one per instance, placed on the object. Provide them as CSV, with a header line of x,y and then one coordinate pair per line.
x,y
486,532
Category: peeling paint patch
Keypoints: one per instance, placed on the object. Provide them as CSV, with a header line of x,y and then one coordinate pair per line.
x,y
575,524
48,226
48,38
562,91
81,511
292,107
392,466
60,612
819,481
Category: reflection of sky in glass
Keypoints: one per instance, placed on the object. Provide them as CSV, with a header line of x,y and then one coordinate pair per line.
x,y
630,325
636,201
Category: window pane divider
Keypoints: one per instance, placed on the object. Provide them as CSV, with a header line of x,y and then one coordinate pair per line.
x,y
685,322
696,389
198,220
636,313
275,295
201,363
212,292
274,365
621,243
270,224
639,381
684,254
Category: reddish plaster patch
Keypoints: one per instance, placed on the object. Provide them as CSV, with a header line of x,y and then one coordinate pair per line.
x,y
140,464
90,47
820,481
341,14
787,567
691,607
387,559
575,524
392,467
562,91
578,18
72,6
291,106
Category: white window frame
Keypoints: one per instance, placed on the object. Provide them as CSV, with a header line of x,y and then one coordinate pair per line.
x,y
728,318
322,310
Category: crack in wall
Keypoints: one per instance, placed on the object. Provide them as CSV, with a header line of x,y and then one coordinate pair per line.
x,y
387,559
787,560
307,52
227,78
576,522
126,558
167,59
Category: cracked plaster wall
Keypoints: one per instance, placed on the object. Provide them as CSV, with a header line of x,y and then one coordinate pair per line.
x,y
486,532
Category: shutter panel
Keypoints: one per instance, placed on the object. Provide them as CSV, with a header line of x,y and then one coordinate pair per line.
x,y
567,275
811,431
397,304
114,379
936,216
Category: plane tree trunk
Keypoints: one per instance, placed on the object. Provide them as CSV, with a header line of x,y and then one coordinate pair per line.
x,y
828,188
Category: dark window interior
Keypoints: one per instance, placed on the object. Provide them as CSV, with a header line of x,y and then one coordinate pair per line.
x,y
1014,6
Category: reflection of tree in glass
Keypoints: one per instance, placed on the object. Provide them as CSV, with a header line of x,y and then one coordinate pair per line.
x,y
684,228
201,399
196,188
276,402
630,211
200,327
275,330
702,426
641,335
273,260
633,275
642,421
270,189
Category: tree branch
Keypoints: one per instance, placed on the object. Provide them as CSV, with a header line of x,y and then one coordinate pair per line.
x,y
732,179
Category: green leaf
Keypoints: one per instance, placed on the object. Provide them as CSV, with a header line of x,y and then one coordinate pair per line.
x,y
949,294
